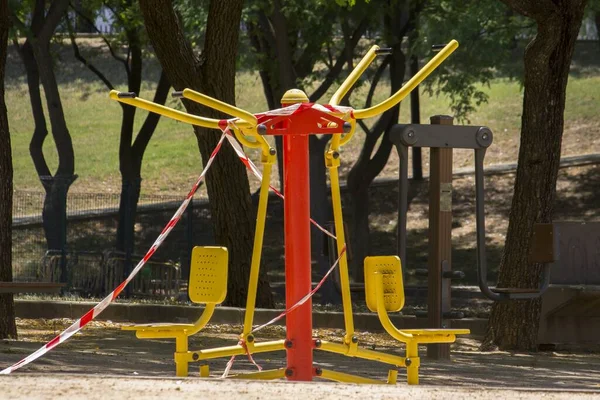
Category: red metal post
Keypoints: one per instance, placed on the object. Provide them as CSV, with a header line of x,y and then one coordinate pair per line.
x,y
299,344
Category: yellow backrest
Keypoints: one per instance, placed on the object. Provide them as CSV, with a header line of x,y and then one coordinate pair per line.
x,y
208,274
393,288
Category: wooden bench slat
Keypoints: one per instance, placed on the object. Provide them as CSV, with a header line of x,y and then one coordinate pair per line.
x,y
513,290
30,287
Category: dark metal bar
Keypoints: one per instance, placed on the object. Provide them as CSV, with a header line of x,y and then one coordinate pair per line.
x,y
384,51
123,95
442,136
403,205
415,118
438,47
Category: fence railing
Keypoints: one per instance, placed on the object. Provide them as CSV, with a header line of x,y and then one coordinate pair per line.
x,y
88,262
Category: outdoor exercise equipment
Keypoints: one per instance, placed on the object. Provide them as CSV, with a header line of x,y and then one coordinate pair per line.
x,y
295,121
207,285
442,139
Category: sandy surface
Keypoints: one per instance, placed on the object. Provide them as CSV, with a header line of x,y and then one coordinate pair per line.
x,y
103,362
35,386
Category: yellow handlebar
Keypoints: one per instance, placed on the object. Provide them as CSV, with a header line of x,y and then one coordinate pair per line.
x,y
410,85
354,75
248,123
166,111
220,106
339,94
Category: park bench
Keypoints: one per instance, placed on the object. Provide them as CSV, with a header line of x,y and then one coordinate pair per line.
x,y
158,278
571,306
93,273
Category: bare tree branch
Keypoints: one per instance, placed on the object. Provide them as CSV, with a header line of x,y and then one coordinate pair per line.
x,y
115,13
536,9
84,61
364,126
104,39
349,46
375,81
149,125
57,10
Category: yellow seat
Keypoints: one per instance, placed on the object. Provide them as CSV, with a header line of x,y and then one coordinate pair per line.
x,y
385,292
207,285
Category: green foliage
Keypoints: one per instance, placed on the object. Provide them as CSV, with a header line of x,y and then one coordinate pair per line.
x,y
21,10
127,18
593,7
342,3
193,15
486,31
315,31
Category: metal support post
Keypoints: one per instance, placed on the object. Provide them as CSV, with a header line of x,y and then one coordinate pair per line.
x,y
440,235
297,256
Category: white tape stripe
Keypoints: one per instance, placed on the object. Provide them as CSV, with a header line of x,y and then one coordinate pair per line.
x,y
98,308
305,298
254,169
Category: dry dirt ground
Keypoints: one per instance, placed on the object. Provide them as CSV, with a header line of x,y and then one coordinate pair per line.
x,y
103,362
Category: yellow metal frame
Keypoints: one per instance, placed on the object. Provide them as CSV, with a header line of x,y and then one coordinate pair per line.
x,y
245,127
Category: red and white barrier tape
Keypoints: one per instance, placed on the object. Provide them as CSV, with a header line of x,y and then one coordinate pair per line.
x,y
305,298
283,314
252,167
102,305
232,359
94,312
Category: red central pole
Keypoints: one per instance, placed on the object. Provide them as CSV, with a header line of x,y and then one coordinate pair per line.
x,y
297,256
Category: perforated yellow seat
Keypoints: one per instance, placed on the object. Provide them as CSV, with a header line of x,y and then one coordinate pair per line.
x,y
385,292
208,275
207,285
388,267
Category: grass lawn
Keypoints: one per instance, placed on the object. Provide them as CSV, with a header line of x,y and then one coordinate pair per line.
x,y
172,162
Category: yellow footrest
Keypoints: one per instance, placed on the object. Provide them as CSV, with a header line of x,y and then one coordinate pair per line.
x,y
436,332
158,327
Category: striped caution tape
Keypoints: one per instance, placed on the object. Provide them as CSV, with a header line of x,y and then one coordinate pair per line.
x,y
102,305
94,312
252,168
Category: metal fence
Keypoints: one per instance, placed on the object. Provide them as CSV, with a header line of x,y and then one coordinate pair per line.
x,y
88,262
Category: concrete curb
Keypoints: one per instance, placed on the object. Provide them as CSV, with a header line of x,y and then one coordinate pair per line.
x,y
148,313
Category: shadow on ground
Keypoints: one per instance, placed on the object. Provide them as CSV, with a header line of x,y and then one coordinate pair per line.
x,y
103,349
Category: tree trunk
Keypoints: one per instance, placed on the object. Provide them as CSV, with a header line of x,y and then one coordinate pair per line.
x,y
54,217
132,154
213,74
38,64
359,180
514,325
40,131
597,21
321,212
366,169
8,329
